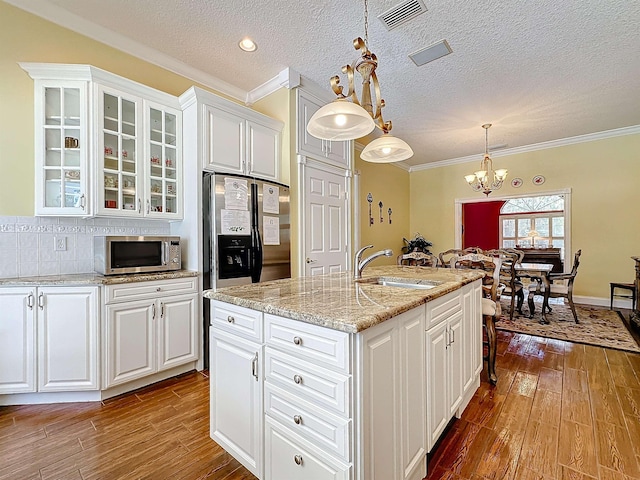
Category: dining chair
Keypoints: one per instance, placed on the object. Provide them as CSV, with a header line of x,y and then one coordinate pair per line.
x,y
445,257
491,291
418,258
564,289
512,285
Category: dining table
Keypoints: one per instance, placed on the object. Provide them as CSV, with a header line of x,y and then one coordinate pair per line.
x,y
537,271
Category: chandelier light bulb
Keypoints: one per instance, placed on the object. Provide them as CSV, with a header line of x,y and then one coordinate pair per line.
x,y
386,150
247,45
341,120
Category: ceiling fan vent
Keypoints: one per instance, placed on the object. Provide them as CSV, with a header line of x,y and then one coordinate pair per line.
x,y
402,13
431,53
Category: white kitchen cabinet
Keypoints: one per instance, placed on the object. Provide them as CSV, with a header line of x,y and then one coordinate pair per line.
x,y
394,398
236,373
17,340
105,145
63,354
235,139
452,343
289,456
61,148
336,153
149,327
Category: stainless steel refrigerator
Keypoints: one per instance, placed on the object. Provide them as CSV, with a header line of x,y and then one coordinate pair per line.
x,y
246,233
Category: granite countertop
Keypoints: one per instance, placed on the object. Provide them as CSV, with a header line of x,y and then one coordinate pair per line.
x,y
95,278
337,301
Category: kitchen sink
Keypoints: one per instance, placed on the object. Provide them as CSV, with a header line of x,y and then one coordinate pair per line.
x,y
387,282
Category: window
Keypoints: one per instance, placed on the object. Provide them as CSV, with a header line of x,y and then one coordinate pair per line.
x,y
544,215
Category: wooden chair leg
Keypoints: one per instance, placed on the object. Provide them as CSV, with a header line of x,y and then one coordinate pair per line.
x,y
573,308
520,297
492,348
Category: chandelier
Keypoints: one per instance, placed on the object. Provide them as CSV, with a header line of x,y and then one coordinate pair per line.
x,y
347,118
486,179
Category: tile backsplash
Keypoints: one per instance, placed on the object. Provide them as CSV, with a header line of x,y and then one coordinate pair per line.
x,y
27,243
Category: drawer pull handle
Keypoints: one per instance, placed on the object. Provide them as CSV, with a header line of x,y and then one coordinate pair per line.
x,y
297,379
298,459
297,340
297,419
230,319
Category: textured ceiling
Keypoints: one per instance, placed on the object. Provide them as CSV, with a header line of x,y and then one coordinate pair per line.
x,y
538,70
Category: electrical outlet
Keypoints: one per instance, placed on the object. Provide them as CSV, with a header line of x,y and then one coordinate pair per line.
x,y
59,244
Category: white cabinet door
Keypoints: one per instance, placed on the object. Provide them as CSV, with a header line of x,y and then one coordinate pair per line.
x,y
162,161
17,340
263,151
177,331
335,153
394,398
437,382
289,457
471,335
225,141
236,373
455,362
67,338
62,148
129,341
414,391
119,175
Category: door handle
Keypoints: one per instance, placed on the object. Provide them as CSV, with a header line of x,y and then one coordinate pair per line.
x,y
254,367
308,260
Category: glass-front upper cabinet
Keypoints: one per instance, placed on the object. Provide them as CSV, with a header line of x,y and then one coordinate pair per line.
x,y
163,161
61,148
119,177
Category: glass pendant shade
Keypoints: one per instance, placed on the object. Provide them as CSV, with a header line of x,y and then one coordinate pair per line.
x,y
386,149
340,120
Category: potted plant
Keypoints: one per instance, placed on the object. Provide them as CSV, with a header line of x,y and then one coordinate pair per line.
x,y
416,244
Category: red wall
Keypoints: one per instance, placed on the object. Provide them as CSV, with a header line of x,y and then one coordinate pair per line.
x,y
480,224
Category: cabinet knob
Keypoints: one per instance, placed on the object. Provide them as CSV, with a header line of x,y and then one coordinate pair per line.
x,y
297,379
297,340
230,319
298,459
297,419
158,289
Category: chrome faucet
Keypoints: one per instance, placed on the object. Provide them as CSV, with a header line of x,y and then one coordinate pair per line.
x,y
358,264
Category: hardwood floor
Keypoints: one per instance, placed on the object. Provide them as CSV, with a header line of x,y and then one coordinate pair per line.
x,y
559,411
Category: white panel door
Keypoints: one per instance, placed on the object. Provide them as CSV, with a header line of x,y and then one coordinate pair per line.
x,y
326,221
67,338
177,331
17,340
130,341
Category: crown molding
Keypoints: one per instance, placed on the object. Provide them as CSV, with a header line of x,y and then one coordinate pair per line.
x,y
287,78
71,21
562,142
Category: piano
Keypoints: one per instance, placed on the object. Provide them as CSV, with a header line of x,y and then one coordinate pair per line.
x,y
543,255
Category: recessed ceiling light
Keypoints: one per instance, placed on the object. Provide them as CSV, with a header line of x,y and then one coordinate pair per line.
x,y
248,45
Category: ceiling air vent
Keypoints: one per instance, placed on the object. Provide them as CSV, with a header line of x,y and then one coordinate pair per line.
x,y
402,13
431,53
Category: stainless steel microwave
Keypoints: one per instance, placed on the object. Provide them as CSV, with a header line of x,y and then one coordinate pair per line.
x,y
114,255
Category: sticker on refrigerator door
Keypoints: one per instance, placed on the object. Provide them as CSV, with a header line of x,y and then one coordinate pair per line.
x,y
235,222
236,194
270,199
271,229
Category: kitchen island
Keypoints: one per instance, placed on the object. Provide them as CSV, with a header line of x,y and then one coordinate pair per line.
x,y
327,377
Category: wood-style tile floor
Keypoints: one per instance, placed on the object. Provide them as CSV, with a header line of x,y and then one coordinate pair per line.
x,y
560,411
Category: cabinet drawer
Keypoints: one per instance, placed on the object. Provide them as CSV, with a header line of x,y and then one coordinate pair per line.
x,y
327,431
442,308
320,345
288,456
124,292
319,385
237,320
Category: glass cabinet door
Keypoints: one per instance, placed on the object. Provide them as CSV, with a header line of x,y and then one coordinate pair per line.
x,y
121,184
164,162
62,157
